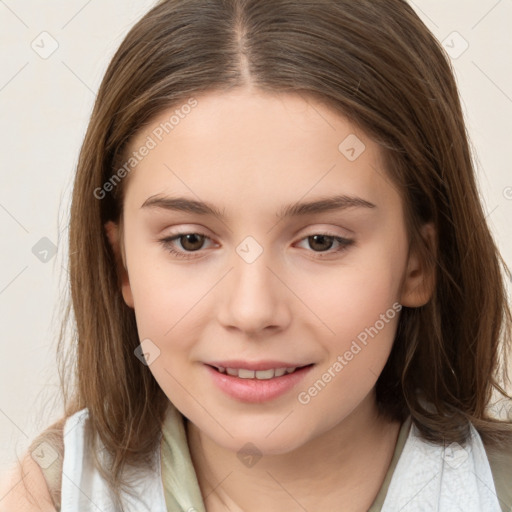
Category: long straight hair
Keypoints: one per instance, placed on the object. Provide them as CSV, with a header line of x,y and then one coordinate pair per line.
x,y
374,62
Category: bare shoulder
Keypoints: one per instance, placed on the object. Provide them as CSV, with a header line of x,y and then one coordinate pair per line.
x,y
24,488
34,483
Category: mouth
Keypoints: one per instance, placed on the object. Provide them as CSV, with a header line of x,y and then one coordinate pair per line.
x,y
256,385
271,373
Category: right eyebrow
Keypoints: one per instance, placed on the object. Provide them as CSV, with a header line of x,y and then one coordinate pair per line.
x,y
182,204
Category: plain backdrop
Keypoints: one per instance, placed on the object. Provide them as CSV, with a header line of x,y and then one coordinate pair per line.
x,y
53,56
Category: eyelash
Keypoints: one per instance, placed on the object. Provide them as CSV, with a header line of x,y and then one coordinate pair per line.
x,y
166,242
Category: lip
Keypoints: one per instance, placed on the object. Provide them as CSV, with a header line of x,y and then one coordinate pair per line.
x,y
255,390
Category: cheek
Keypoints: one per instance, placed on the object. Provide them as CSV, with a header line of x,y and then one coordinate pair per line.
x,y
362,319
169,312
165,294
354,295
372,285
359,308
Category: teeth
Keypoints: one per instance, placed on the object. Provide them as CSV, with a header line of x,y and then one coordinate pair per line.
x,y
259,374
264,374
246,374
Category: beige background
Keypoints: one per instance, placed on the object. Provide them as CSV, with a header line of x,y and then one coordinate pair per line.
x,y
44,109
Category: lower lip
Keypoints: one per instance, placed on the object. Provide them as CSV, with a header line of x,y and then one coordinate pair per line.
x,y
256,390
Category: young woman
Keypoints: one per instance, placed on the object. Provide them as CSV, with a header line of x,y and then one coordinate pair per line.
x,y
285,291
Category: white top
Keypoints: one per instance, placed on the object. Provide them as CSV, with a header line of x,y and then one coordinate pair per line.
x,y
428,477
84,490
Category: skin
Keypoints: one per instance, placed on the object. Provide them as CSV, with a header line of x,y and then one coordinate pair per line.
x,y
250,153
24,488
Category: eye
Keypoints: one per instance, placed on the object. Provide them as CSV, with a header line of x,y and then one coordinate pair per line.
x,y
322,242
191,243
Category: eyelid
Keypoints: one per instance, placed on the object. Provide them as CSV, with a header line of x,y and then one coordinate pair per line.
x,y
188,229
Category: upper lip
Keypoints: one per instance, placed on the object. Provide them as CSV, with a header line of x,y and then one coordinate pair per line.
x,y
254,365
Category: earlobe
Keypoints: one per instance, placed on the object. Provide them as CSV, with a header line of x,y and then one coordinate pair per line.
x,y
112,231
419,280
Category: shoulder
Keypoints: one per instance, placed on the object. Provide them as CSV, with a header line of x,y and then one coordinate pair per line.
x,y
35,482
25,489
500,461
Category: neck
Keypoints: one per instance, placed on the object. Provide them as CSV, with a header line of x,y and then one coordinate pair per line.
x,y
345,465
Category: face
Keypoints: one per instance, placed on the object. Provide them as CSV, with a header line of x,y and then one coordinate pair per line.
x,y
257,282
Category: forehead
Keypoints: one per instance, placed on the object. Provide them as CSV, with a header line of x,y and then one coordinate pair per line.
x,y
247,149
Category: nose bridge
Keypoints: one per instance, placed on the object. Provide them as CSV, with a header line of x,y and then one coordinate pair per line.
x,y
254,298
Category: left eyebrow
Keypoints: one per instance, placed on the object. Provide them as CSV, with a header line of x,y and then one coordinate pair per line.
x,y
339,202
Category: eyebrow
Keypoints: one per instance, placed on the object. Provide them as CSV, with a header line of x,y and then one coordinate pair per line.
x,y
183,204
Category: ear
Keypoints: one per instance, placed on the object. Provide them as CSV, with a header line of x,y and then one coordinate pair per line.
x,y
419,280
113,233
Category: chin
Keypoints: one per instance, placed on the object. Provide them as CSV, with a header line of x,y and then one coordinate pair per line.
x,y
261,443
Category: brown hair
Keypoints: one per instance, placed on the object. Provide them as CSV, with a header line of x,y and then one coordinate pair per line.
x,y
376,63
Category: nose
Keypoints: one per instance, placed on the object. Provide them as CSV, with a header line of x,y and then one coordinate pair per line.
x,y
254,298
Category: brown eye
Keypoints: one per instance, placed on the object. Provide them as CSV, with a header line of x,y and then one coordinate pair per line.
x,y
325,243
320,242
191,241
